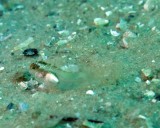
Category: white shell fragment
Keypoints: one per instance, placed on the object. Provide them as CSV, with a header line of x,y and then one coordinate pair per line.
x,y
90,92
148,82
114,33
108,13
51,78
142,117
100,21
1,68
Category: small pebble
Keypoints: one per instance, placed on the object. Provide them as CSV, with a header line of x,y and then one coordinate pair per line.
x,y
30,52
10,106
138,80
154,100
148,82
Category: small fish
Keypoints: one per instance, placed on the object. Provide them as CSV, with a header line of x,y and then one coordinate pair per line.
x,y
43,74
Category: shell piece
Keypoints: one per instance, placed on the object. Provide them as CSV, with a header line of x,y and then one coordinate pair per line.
x,y
100,21
108,13
51,78
114,33
90,92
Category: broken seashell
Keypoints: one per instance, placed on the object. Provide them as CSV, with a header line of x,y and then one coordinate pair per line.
x,y
100,21
114,33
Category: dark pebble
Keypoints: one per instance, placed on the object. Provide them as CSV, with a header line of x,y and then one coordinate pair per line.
x,y
30,52
69,119
10,106
157,97
95,121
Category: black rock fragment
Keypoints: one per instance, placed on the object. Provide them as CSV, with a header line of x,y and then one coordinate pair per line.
x,y
95,121
157,97
10,106
30,52
69,119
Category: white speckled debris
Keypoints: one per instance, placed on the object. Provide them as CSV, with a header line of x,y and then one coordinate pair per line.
x,y
100,21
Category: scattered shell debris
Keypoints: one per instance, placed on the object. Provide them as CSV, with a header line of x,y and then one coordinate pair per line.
x,y
97,60
66,39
